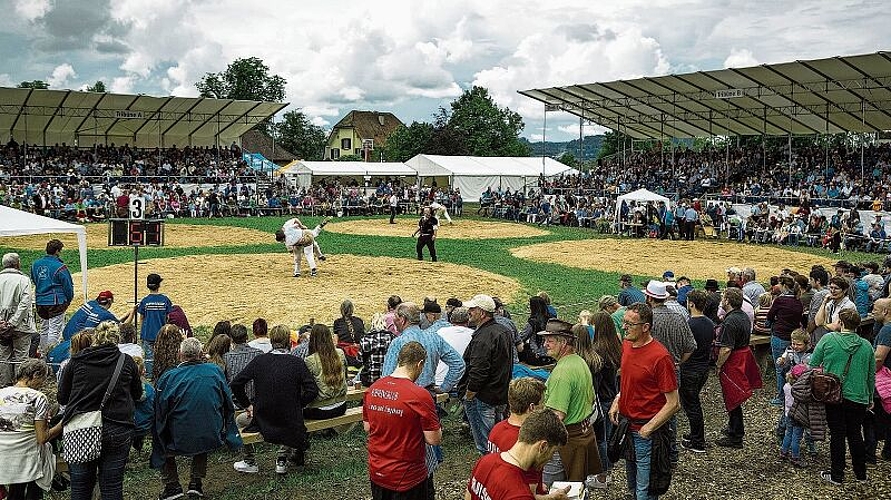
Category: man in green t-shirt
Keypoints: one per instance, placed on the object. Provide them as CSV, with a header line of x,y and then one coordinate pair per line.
x,y
570,394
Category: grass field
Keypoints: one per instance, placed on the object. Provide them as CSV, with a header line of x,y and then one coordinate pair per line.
x,y
336,467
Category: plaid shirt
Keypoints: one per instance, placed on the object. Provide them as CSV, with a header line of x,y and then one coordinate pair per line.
x,y
673,332
373,348
236,360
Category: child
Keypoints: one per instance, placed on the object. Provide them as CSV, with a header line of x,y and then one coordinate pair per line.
x,y
791,447
145,408
153,309
798,353
761,326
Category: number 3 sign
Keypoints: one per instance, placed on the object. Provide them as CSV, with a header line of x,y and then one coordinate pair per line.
x,y
137,207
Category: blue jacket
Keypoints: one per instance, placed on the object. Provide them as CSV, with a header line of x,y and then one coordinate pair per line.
x,y
88,315
52,281
194,412
861,297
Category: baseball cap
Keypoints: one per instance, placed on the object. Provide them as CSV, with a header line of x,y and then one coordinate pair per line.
x,y
656,289
556,326
154,279
105,297
483,302
432,307
668,276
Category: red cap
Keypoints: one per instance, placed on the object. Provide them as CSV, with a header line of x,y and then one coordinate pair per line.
x,y
105,296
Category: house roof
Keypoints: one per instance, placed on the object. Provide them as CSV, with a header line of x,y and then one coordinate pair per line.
x,y
255,141
377,125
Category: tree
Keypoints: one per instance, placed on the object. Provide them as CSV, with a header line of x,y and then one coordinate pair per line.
x,y
569,160
486,128
244,79
34,84
99,86
407,142
299,136
350,158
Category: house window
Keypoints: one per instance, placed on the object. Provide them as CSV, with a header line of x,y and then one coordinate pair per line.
x,y
335,153
346,144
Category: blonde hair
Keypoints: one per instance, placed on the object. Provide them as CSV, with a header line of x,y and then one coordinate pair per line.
x,y
378,322
585,317
765,299
107,332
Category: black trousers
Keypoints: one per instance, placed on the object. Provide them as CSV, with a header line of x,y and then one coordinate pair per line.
x,y
692,382
430,243
393,214
736,428
423,491
845,421
24,491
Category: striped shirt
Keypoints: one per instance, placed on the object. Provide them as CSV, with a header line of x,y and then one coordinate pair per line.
x,y
673,332
236,360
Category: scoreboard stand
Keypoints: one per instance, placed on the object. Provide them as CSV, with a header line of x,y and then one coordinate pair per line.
x,y
135,233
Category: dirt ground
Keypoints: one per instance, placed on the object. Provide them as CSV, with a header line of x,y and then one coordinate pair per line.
x,y
461,229
649,257
241,288
175,236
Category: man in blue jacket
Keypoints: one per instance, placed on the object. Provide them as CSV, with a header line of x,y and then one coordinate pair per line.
x,y
53,291
92,313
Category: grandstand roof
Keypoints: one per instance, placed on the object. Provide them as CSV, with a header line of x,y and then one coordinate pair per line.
x,y
37,116
832,95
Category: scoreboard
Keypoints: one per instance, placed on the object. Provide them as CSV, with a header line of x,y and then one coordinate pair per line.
x,y
135,232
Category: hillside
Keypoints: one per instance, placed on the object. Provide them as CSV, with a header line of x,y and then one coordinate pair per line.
x,y
590,147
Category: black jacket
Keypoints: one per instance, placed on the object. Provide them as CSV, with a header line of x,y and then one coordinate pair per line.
x,y
489,364
86,377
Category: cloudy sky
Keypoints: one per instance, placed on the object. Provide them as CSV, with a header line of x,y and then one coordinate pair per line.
x,y
411,57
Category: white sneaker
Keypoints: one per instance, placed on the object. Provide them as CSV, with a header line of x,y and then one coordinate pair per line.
x,y
281,466
247,468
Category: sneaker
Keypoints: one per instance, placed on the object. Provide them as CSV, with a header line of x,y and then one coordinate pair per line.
x,y
797,462
246,467
323,258
598,481
728,442
783,455
827,476
296,275
313,273
171,492
195,490
281,466
691,446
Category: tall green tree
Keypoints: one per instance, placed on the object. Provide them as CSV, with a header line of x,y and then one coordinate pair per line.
x,y
298,135
99,86
407,142
245,79
34,84
486,128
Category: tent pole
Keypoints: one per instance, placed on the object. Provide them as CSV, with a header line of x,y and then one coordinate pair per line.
x,y
544,131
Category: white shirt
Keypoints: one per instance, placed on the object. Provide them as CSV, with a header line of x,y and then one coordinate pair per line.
x,y
458,337
132,349
262,343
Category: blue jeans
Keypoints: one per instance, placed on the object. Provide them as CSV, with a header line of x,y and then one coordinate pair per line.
x,y
777,348
638,470
149,348
792,439
109,467
607,431
481,418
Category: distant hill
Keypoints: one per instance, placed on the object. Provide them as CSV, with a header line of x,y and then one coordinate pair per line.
x,y
590,147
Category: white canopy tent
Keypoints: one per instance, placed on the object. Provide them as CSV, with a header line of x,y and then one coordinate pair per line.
x,y
304,172
474,174
641,195
18,223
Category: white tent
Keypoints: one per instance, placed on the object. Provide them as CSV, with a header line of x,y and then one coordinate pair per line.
x,y
473,174
305,171
641,195
18,223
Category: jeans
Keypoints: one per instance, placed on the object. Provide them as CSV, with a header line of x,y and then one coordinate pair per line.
x,y
108,468
607,430
692,382
638,470
777,348
792,438
845,421
149,348
481,417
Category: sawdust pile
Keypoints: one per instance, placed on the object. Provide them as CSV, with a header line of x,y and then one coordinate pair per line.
x,y
175,236
649,257
461,229
241,288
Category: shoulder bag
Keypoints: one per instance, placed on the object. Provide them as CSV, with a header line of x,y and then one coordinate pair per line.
x,y
827,387
82,435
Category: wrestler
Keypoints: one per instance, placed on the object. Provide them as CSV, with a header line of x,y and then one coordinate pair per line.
x,y
297,237
440,211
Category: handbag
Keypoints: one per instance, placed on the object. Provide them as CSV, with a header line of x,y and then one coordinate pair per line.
x,y
82,434
827,387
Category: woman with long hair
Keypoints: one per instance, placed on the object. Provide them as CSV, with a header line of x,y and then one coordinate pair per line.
x,y
216,348
166,350
607,345
327,364
348,328
534,352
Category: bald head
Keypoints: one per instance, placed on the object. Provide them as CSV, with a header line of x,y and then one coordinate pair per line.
x,y
882,310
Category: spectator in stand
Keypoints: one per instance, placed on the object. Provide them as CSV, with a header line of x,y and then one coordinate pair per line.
x,y
154,309
15,310
629,294
851,358
328,366
53,292
785,316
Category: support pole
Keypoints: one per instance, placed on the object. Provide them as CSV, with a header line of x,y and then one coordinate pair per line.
x,y
544,131
135,274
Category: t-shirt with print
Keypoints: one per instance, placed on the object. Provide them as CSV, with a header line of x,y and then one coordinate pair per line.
x,y
884,338
494,479
502,438
398,412
154,309
20,407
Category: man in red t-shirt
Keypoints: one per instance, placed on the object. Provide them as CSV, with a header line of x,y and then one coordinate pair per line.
x,y
500,476
648,393
400,418
523,396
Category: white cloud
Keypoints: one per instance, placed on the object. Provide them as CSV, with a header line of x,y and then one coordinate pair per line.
x,y
740,58
60,76
122,84
587,129
6,80
31,9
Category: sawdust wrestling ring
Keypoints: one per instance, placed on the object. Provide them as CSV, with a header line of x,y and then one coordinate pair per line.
x,y
461,229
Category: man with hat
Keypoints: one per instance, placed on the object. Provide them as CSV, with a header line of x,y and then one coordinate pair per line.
x,y
629,294
609,305
733,275
153,309
94,312
489,364
570,394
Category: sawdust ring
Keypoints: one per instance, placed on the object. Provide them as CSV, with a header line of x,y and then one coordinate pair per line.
x,y
461,229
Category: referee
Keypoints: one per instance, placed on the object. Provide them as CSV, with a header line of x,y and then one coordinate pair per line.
x,y
427,227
